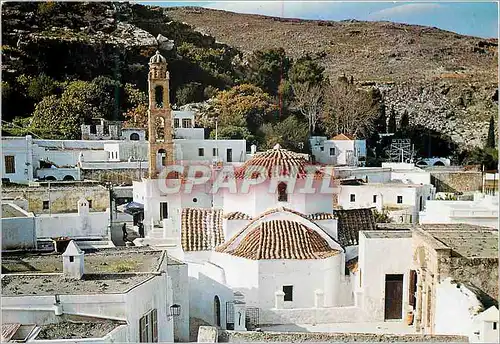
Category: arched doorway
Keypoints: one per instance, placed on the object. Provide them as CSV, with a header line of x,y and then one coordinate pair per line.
x,y
439,163
134,137
217,310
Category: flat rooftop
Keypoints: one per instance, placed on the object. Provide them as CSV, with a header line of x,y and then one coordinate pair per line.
x,y
433,226
469,244
380,234
45,284
125,259
76,330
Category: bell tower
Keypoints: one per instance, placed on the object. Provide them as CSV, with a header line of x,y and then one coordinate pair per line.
x,y
161,144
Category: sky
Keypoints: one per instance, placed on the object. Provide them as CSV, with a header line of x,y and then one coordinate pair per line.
x,y
474,18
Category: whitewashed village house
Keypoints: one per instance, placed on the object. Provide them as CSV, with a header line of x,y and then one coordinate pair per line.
x,y
340,150
86,300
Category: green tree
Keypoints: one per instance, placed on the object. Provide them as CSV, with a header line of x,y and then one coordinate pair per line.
x,y
490,141
290,134
306,70
189,93
243,106
233,133
266,69
381,122
59,118
37,87
391,126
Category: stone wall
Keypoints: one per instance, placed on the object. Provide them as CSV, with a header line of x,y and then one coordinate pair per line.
x,y
293,337
116,176
480,272
457,181
61,199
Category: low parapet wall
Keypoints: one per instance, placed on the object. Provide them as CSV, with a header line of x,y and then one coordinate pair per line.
x,y
295,337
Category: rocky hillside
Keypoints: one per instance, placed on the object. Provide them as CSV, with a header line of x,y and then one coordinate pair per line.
x,y
447,82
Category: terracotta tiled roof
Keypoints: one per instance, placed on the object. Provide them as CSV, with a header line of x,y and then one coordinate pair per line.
x,y
274,160
8,330
320,216
201,229
352,264
350,222
282,239
343,137
237,215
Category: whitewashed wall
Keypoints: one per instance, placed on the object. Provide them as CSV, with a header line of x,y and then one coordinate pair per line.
x,y
22,150
377,259
206,282
327,315
323,274
189,149
18,233
93,225
455,308
179,276
374,174
469,212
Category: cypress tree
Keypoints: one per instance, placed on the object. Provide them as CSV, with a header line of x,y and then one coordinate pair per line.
x,y
392,122
490,141
404,122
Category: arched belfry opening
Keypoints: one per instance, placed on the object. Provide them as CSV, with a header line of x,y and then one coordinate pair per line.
x,y
160,137
159,96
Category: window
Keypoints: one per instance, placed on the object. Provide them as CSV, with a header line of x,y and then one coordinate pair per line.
x,y
495,325
176,123
229,155
421,203
374,198
288,290
148,327
163,210
215,152
400,199
186,123
45,205
353,197
282,193
90,203
195,200
332,151
71,259
93,129
134,137
322,149
10,164
201,152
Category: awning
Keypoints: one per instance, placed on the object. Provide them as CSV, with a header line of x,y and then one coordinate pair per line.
x,y
131,208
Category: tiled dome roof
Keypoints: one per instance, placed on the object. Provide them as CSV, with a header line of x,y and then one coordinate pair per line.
x,y
285,161
157,58
237,215
281,239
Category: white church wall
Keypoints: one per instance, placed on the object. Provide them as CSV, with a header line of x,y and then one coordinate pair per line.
x,y
205,283
327,315
329,226
231,227
322,274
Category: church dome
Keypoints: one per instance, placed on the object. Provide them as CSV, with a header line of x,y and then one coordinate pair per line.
x,y
285,161
157,58
280,239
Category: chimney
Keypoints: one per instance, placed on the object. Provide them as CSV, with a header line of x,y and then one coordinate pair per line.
x,y
83,207
73,266
253,149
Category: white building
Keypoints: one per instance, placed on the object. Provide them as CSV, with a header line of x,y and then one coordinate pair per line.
x,y
25,230
482,211
340,150
137,306
402,201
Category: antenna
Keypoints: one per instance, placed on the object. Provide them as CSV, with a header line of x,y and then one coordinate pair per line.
x,y
401,150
